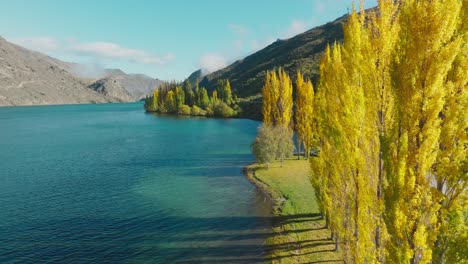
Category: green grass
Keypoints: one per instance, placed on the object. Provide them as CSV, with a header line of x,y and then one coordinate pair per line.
x,y
300,235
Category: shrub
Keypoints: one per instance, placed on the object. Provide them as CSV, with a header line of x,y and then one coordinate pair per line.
x,y
221,109
209,111
196,110
184,110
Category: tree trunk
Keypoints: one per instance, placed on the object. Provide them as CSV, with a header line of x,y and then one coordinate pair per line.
x,y
336,243
282,162
298,150
327,222
379,185
356,213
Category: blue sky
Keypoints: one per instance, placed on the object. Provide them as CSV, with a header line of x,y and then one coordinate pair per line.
x,y
163,39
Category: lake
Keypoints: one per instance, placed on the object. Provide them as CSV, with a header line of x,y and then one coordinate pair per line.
x,y
111,183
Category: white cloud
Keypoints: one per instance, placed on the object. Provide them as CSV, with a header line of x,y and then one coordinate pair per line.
x,y
113,51
212,62
319,7
98,51
296,27
257,45
238,29
90,70
42,44
238,44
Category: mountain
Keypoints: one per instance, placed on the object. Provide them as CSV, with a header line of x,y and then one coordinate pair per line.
x,y
303,52
32,78
128,87
195,77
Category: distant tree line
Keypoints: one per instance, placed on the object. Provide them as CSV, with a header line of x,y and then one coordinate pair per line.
x,y
182,99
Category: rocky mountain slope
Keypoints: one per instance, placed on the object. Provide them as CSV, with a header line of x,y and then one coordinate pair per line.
x,y
31,78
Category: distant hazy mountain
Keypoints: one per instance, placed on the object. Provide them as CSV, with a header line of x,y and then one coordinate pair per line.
x,y
128,87
302,52
32,78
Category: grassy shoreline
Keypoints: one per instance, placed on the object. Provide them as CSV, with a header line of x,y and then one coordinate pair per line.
x,y
299,233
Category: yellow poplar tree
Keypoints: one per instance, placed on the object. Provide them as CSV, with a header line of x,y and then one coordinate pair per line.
x,y
391,124
379,36
355,141
328,168
284,102
155,100
425,53
304,111
270,94
450,170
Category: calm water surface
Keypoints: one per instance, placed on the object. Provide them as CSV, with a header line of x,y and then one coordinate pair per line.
x,y
109,183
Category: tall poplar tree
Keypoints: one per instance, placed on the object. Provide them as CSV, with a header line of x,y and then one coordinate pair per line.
x,y
284,104
304,112
425,53
391,125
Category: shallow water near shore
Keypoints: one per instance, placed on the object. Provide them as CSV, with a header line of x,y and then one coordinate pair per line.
x,y
110,183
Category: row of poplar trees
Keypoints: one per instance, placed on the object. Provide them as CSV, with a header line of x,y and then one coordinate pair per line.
x,y
275,137
390,119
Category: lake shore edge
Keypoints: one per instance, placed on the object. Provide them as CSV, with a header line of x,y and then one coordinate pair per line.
x,y
275,198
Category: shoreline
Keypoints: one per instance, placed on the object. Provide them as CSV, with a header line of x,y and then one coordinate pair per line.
x,y
298,232
275,199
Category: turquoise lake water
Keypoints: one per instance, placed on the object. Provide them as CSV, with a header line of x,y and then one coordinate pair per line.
x,y
110,183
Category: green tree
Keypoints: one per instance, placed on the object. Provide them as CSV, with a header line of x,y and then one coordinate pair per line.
x,y
224,91
180,96
171,102
221,109
214,97
198,96
264,147
189,94
284,142
204,98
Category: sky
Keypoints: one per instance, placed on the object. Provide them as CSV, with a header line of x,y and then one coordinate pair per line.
x,y
163,39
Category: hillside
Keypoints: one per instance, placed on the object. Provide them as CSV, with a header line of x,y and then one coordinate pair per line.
x,y
300,52
32,78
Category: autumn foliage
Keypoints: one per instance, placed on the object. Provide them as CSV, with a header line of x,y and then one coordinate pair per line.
x,y
391,121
